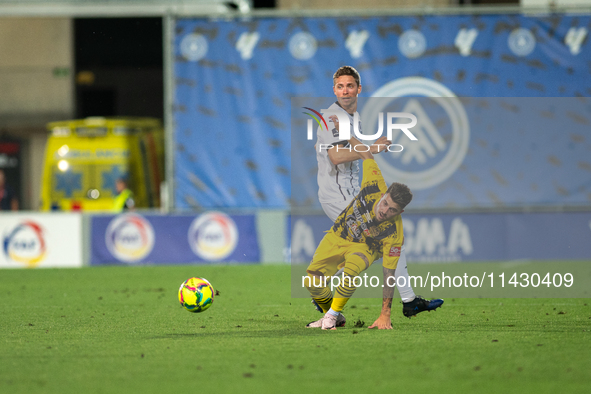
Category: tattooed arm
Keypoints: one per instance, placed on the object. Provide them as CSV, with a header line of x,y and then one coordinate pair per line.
x,y
384,322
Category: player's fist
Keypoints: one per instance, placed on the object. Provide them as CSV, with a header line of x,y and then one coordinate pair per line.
x,y
380,145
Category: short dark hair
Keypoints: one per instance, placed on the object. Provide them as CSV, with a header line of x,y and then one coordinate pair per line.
x,y
400,194
347,70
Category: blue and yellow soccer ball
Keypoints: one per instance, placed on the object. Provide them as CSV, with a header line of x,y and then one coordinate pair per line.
x,y
196,294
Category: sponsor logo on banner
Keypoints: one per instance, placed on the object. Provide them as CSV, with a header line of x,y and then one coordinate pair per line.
x,y
464,40
302,46
427,240
25,243
355,42
522,42
246,43
213,236
412,44
194,47
433,157
575,38
129,238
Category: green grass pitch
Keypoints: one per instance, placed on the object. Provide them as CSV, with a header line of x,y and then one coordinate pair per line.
x,y
122,330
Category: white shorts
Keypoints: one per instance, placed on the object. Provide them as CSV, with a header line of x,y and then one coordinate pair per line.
x,y
334,209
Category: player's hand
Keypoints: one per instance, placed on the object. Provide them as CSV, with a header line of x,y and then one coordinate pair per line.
x,y
335,120
380,145
383,323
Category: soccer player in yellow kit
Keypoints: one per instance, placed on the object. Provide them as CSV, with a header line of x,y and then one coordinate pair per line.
x,y
369,228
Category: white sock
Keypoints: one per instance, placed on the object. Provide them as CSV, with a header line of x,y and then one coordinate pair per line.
x,y
334,313
407,293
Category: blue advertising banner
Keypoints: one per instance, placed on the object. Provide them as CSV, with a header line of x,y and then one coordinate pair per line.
x,y
234,80
485,152
471,237
155,239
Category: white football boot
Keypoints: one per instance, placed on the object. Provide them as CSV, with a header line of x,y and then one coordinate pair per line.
x,y
338,322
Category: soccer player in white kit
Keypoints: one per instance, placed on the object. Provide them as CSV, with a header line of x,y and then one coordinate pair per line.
x,y
338,174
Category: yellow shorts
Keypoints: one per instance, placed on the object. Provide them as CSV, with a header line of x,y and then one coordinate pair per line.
x,y
334,251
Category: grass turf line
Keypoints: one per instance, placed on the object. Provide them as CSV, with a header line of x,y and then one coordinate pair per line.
x,y
121,330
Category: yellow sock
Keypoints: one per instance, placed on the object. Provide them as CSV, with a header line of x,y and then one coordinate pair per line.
x,y
338,304
343,292
320,293
353,267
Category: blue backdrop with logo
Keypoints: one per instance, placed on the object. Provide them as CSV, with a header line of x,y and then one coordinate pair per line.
x,y
234,81
179,239
470,237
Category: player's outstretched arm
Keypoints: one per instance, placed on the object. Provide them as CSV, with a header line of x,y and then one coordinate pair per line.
x,y
361,151
380,145
384,322
339,155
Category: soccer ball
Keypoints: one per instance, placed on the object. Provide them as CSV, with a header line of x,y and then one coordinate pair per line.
x,y
196,294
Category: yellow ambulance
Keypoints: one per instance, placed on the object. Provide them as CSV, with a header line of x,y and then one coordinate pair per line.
x,y
85,157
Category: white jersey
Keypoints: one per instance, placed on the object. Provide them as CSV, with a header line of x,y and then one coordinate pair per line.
x,y
335,183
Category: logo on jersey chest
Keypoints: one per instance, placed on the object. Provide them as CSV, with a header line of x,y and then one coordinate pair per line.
x,y
360,219
353,227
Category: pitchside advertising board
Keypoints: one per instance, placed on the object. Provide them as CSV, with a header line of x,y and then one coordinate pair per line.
x,y
41,240
470,237
132,239
235,79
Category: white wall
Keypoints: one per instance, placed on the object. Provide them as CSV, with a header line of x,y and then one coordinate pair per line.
x,y
34,53
31,49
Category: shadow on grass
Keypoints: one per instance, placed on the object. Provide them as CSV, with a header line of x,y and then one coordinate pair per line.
x,y
297,330
249,333
245,334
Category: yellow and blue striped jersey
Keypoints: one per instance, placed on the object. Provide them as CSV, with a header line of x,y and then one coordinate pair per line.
x,y
358,223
